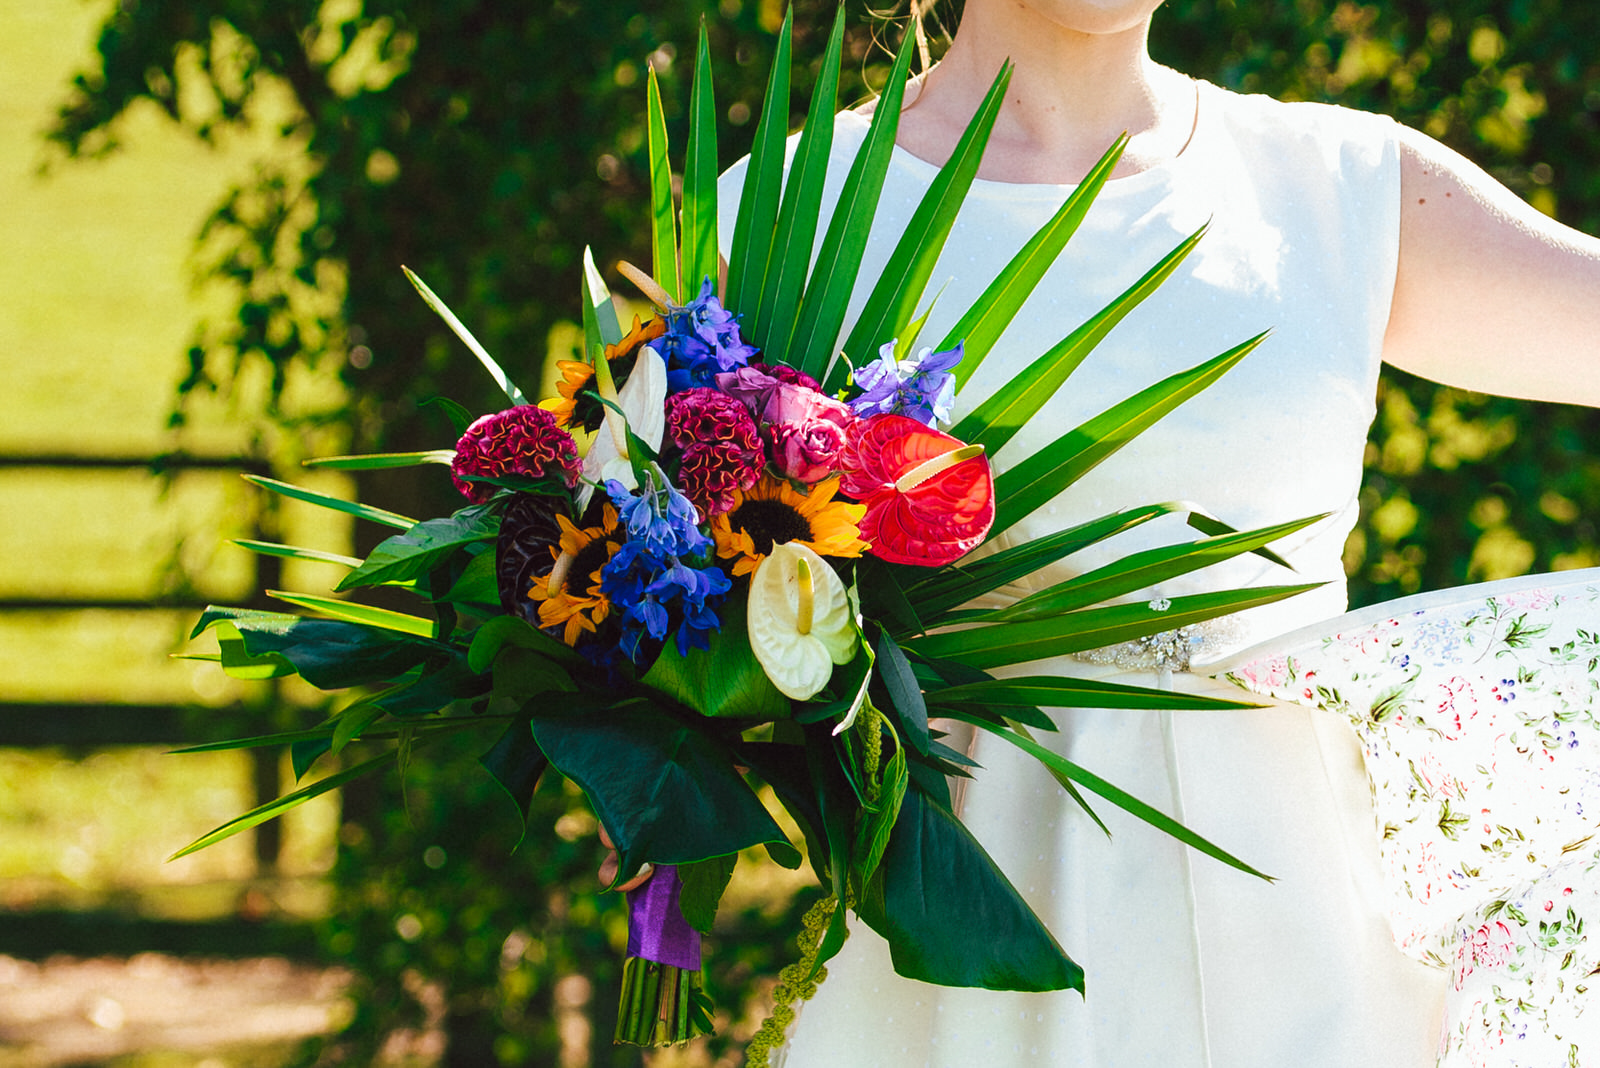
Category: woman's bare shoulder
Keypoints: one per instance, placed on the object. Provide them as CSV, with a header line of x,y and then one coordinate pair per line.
x,y
1491,294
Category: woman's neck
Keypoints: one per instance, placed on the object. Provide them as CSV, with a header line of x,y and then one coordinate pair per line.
x,y
1071,94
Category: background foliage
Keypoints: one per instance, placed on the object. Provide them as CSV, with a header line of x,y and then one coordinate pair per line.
x,y
484,145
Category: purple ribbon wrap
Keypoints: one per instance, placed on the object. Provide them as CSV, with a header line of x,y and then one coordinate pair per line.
x,y
656,928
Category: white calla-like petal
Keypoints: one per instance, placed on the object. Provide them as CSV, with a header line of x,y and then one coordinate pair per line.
x,y
798,664
643,402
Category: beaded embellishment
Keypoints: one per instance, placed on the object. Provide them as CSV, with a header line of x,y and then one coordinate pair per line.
x,y
1171,650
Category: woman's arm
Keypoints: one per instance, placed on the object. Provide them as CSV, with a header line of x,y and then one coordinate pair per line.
x,y
1492,295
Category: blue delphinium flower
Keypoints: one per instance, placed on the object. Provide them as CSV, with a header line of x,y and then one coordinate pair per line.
x,y
922,387
702,341
664,570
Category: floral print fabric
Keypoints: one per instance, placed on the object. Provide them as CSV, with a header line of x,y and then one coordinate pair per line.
x,y
1476,710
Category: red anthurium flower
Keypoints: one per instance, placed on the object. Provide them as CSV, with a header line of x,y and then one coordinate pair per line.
x,y
929,498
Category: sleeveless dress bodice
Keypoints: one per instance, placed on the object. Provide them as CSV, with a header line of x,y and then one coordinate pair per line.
x,y
1189,964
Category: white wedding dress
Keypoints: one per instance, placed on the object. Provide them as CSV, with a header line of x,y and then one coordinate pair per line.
x,y
1189,963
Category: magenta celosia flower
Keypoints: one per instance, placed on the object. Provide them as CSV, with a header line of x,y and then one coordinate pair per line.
x,y
806,431
721,449
703,416
711,473
524,440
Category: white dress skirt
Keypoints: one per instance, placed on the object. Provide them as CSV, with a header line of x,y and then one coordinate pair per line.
x,y
1189,963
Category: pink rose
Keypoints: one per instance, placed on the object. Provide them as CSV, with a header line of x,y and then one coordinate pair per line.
x,y
753,386
806,432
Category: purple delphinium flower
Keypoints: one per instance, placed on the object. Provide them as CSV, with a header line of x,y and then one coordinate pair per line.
x,y
663,571
922,387
701,342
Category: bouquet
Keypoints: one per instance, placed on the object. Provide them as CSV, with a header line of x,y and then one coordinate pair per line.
x,y
724,555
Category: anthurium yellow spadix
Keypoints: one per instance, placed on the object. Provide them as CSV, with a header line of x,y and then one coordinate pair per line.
x,y
800,620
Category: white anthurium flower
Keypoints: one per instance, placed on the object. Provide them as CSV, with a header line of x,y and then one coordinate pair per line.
x,y
800,620
643,403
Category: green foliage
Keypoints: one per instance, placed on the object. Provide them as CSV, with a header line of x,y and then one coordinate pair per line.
x,y
484,145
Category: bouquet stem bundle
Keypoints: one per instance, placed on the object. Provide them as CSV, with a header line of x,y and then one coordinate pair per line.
x,y
661,1003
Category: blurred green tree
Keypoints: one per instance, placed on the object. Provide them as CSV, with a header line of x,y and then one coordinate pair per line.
x,y
484,145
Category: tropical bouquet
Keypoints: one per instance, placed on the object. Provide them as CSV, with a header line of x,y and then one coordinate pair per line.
x,y
730,552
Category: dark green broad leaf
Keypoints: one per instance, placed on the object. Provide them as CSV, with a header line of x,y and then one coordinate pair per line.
x,y
837,805
724,679
666,791
497,633
786,769
420,549
329,654
478,584
303,754
905,693
937,886
523,674
1015,643
883,593
934,779
703,885
440,683
1052,691
236,660
515,761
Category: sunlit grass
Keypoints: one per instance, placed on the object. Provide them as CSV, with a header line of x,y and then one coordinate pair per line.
x,y
100,306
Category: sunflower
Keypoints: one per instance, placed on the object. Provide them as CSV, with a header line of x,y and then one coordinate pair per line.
x,y
773,512
578,403
577,605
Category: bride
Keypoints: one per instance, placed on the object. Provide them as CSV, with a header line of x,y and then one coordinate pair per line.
x,y
1357,241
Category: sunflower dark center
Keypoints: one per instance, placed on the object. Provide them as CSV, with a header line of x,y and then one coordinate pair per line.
x,y
588,410
770,523
589,559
